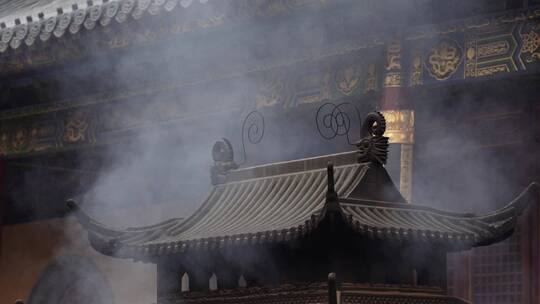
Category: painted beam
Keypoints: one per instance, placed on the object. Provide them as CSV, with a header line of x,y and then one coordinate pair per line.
x,y
478,49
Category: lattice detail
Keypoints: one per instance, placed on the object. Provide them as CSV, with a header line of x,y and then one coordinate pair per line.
x,y
497,273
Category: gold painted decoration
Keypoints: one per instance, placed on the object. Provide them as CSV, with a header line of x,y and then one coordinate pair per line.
x,y
3,143
531,43
393,56
393,77
393,80
495,51
271,92
20,140
443,59
313,87
371,79
496,48
492,70
348,79
470,56
416,74
76,127
399,126
400,130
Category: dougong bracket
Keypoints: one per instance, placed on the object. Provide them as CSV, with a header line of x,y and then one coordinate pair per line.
x,y
373,146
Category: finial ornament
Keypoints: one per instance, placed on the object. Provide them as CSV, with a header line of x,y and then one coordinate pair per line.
x,y
331,195
223,156
373,146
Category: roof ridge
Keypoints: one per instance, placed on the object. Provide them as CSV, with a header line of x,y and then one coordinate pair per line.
x,y
292,166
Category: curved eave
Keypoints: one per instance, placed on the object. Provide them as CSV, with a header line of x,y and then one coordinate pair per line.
x,y
105,239
417,223
89,223
176,247
267,210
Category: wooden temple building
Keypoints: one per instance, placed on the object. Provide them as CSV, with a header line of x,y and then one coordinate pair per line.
x,y
271,233
96,95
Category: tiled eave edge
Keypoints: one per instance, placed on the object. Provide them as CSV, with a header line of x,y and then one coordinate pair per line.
x,y
104,14
114,248
456,241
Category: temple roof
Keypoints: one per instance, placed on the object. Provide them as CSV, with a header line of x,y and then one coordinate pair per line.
x,y
26,21
285,201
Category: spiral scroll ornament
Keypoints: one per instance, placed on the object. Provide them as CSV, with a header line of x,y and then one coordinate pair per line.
x,y
333,120
253,129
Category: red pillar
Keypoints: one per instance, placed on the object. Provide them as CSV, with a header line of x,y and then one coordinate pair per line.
x,y
396,107
394,94
462,275
530,241
2,201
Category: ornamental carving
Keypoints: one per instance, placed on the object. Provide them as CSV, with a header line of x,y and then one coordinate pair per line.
x,y
20,140
223,156
470,56
496,48
443,59
371,79
3,143
313,87
399,126
416,67
271,92
348,79
492,70
373,145
76,127
393,77
393,56
392,80
531,43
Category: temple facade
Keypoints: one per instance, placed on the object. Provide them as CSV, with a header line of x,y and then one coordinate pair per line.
x,y
94,95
